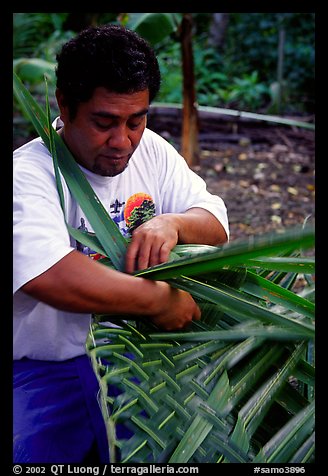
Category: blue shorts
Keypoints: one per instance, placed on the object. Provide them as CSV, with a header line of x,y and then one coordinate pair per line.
x,y
57,417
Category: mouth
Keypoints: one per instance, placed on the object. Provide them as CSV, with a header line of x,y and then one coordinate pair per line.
x,y
116,159
111,165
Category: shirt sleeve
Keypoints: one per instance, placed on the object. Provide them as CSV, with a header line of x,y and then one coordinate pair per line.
x,y
40,236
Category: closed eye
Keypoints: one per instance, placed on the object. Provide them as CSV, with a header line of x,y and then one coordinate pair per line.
x,y
135,125
102,126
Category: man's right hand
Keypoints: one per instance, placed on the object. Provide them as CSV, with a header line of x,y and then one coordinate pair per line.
x,y
177,310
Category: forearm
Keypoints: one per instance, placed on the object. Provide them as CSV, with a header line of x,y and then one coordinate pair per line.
x,y
198,225
78,284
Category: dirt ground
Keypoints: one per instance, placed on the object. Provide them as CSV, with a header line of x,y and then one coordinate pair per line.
x,y
264,172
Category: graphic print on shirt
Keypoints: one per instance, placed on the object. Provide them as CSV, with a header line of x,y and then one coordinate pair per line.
x,y
86,250
138,209
117,215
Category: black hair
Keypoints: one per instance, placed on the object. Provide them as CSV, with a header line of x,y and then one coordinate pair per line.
x,y
109,56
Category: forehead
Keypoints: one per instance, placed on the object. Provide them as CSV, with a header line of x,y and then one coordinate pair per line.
x,y
104,102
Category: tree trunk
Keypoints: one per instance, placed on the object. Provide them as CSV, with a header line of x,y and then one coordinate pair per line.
x,y
218,29
189,140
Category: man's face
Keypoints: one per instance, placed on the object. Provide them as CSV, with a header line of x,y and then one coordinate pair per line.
x,y
106,129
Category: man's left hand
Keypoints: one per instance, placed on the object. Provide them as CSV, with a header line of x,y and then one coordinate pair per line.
x,y
151,243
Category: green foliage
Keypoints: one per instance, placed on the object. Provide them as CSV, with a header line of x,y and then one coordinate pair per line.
x,y
252,43
36,34
33,70
36,40
213,85
154,27
243,75
169,58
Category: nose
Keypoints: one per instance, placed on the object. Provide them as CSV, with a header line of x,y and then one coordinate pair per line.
x,y
118,138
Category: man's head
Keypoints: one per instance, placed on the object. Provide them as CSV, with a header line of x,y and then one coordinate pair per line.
x,y
106,78
108,56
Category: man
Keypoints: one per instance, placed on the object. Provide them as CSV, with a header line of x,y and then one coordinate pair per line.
x,y
106,78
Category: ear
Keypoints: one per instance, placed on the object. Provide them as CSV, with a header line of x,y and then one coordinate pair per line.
x,y
64,115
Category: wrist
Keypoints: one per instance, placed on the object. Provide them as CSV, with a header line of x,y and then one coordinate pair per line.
x,y
156,294
174,223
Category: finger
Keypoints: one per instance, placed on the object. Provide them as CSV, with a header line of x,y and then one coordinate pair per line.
x,y
164,253
143,257
159,253
131,256
150,252
197,314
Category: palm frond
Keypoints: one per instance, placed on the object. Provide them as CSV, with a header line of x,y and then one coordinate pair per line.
x,y
236,386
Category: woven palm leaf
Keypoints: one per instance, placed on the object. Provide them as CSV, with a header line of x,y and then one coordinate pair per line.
x,y
222,391
236,386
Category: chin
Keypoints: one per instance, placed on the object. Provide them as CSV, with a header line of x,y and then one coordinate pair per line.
x,y
112,172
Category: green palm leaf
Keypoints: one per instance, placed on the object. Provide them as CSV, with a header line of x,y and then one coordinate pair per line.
x,y
224,389
195,389
238,253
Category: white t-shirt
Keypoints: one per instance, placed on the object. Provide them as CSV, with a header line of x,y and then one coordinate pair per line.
x,y
41,238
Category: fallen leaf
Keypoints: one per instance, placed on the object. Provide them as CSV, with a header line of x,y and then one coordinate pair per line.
x,y
292,191
230,169
244,141
310,187
276,219
244,183
242,156
275,188
218,167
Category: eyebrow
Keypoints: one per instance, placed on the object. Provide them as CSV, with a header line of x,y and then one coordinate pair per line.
x,y
108,115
